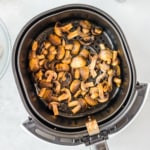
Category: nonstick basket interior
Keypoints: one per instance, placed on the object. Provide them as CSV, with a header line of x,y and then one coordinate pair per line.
x,y
36,28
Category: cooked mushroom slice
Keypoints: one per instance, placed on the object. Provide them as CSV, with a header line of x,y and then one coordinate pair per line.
x,y
84,72
67,27
78,105
93,92
110,79
75,85
66,95
60,52
92,65
73,34
52,53
100,77
54,106
90,101
115,60
57,87
77,73
84,53
40,56
102,46
57,29
41,92
76,47
34,64
104,67
87,40
35,45
54,39
96,31
68,46
106,55
46,45
39,75
66,79
117,81
78,62
85,31
117,70
62,67
50,75
77,93
44,84
102,97
85,24
67,58
85,86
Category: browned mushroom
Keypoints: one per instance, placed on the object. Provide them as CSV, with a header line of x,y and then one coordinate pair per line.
x,y
84,53
35,45
62,67
50,75
41,92
67,27
96,31
115,60
76,73
54,39
44,84
110,78
86,86
66,95
77,93
57,29
76,47
66,79
54,106
78,62
87,40
92,65
106,55
117,81
102,97
60,52
75,85
68,46
73,34
117,70
34,64
90,101
57,87
104,67
84,72
100,77
39,75
94,92
67,58
85,24
52,53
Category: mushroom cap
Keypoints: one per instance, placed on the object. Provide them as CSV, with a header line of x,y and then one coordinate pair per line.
x,y
78,62
75,85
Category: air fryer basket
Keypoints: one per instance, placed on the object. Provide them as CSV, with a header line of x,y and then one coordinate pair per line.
x,y
66,126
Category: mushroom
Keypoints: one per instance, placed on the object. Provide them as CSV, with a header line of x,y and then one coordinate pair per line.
x,y
44,84
78,62
93,92
84,72
66,79
54,106
62,67
102,97
68,46
73,34
115,60
77,93
104,67
77,104
57,87
100,77
66,95
96,31
54,39
76,47
57,29
50,75
110,78
39,75
85,24
92,65
85,86
90,101
67,58
41,92
117,70
106,55
77,73
67,27
52,53
86,40
84,53
75,85
60,52
117,81
35,45
34,64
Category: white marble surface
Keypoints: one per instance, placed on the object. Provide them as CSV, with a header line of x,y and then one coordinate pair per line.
x,y
134,19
